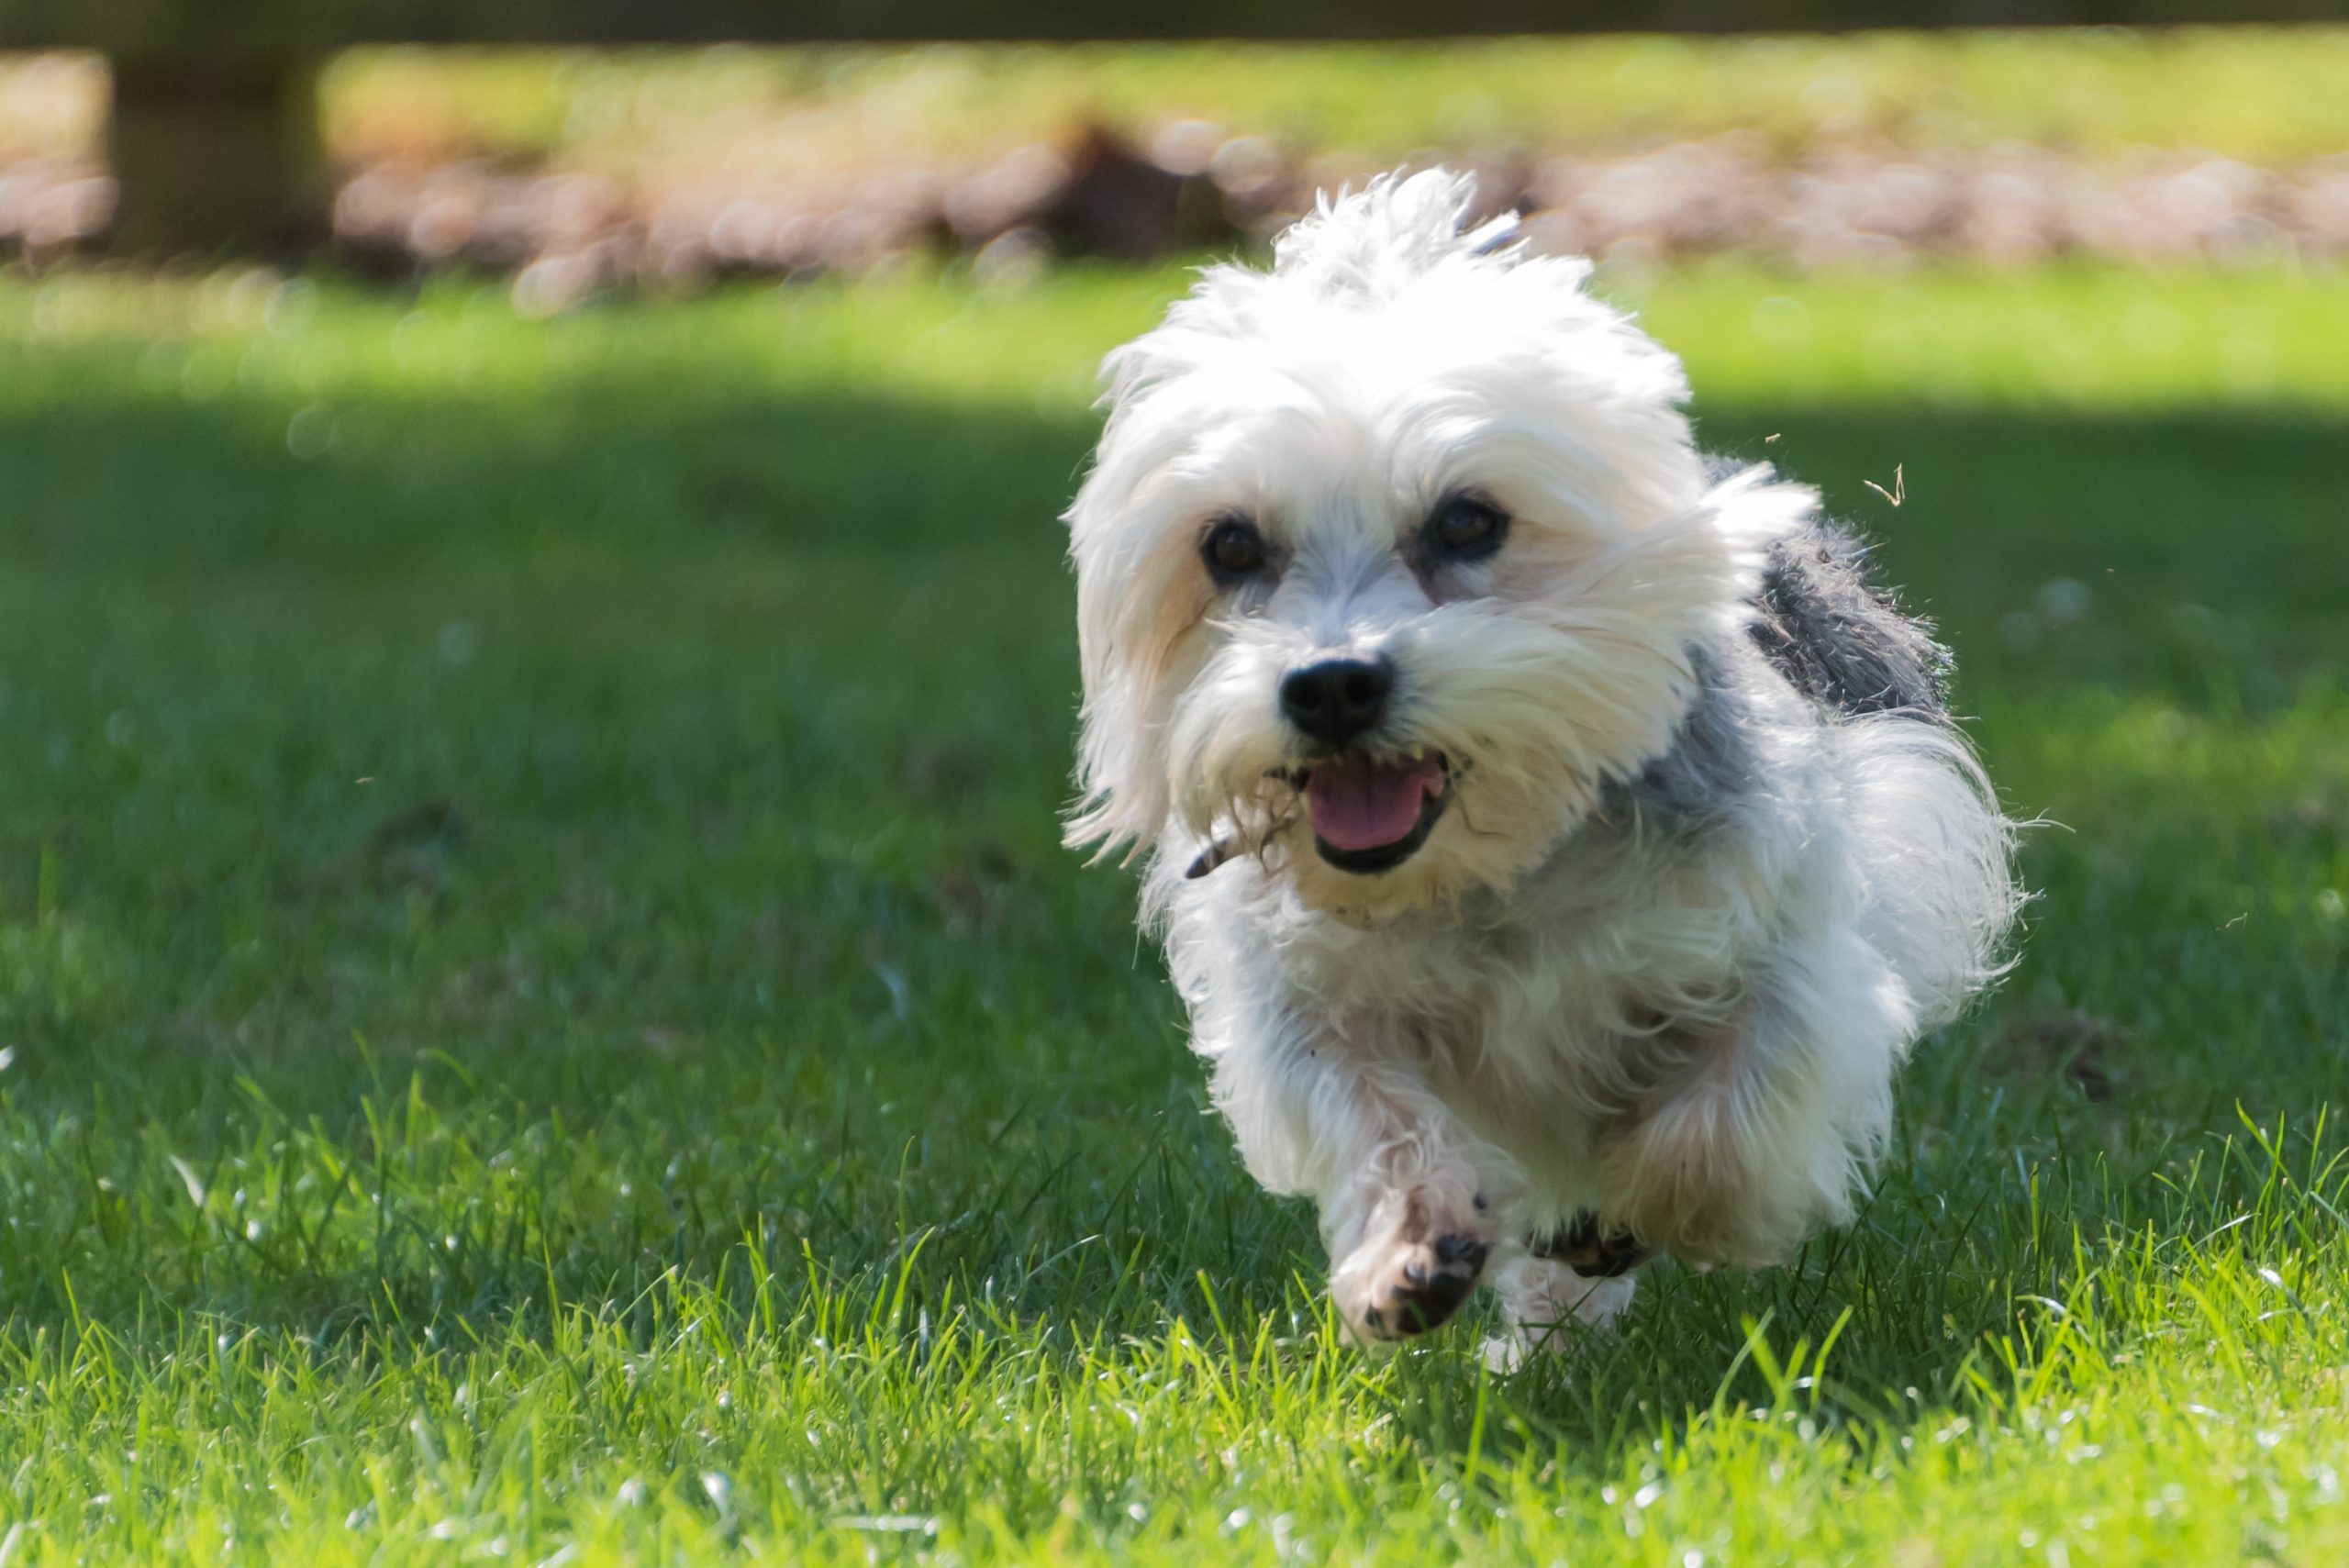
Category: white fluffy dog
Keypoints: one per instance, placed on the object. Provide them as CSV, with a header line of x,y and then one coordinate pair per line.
x,y
1557,840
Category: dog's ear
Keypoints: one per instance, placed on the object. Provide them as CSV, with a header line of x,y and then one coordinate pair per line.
x,y
1122,797
1754,510
1139,587
1107,820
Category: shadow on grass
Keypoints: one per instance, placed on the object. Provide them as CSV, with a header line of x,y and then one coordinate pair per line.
x,y
2195,536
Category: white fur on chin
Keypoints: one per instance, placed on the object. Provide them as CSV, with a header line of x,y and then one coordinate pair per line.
x,y
1547,1010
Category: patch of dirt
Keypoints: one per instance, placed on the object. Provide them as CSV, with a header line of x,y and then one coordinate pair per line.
x,y
564,235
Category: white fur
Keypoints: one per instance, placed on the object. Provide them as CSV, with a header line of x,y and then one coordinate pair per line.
x,y
1544,1011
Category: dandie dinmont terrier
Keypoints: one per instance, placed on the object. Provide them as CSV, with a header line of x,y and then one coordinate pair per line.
x,y
1558,841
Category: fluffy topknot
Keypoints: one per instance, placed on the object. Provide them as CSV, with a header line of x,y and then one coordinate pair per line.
x,y
1397,229
1401,239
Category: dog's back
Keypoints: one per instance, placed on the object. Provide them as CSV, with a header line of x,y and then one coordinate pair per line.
x,y
1842,639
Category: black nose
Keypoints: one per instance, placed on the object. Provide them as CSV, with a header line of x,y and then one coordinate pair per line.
x,y
1337,699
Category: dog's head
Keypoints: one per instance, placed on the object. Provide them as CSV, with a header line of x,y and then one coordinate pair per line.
x,y
1391,558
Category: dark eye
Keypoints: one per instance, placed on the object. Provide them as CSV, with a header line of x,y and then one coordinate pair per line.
x,y
1233,549
1466,528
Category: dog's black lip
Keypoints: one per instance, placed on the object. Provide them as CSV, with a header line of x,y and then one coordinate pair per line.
x,y
1384,857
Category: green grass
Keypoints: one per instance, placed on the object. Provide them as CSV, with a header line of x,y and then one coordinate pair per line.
x,y
547,1015
2259,94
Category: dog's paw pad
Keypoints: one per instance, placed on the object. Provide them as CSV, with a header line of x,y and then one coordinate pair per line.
x,y
1465,1250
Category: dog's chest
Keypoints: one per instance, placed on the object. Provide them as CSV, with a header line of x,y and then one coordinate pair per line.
x,y
1527,1025
1514,1007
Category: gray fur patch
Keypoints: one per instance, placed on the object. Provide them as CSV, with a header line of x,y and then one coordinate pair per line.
x,y
1842,639
1710,767
1831,633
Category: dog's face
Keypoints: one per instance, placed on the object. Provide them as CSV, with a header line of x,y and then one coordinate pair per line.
x,y
1390,559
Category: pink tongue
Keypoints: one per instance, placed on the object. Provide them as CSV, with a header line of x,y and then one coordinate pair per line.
x,y
1366,806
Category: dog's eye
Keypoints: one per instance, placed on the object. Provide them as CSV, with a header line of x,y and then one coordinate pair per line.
x,y
1234,551
1465,528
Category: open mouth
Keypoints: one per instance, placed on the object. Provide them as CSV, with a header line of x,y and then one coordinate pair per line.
x,y
1371,814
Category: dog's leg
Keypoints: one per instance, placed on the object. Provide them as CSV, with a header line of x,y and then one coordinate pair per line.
x,y
1408,1199
1763,1129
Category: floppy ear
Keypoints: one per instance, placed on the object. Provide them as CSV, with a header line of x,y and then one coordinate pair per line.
x,y
1754,510
1139,587
1121,753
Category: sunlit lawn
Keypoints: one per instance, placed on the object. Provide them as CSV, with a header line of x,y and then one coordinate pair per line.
x,y
2260,94
2264,95
546,1013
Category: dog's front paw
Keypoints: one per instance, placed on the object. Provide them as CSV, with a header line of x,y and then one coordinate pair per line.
x,y
1548,1307
1407,1283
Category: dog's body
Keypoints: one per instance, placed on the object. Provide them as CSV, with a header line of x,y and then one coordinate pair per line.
x,y
1557,842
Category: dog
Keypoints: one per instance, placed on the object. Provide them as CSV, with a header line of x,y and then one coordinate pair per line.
x,y
1557,838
